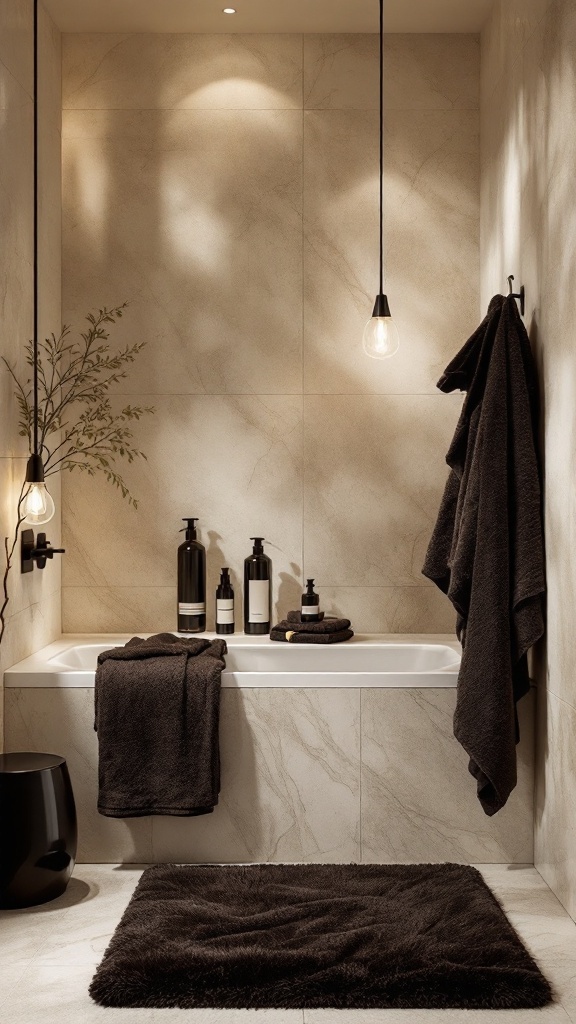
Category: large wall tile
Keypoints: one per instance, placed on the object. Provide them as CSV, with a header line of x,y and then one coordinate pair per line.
x,y
555,819
207,248
63,721
119,609
390,609
431,178
425,72
150,71
16,113
15,43
290,782
418,800
374,476
235,462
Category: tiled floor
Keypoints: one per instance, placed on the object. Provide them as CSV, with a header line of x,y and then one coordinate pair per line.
x,y
48,956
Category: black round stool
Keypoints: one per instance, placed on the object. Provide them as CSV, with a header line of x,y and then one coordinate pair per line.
x,y
39,835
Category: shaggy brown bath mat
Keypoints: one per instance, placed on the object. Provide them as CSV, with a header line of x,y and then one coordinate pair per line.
x,y
317,935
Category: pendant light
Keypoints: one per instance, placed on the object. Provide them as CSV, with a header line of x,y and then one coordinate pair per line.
x,y
38,506
380,339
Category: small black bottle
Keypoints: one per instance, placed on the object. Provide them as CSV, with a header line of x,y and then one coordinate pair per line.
x,y
191,582
257,574
310,611
225,604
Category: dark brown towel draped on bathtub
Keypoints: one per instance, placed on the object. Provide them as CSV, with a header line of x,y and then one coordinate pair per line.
x,y
486,552
157,705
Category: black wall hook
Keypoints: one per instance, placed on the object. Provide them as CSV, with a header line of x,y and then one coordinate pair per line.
x,y
521,295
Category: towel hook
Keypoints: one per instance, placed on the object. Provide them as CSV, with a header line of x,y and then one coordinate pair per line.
x,y
521,295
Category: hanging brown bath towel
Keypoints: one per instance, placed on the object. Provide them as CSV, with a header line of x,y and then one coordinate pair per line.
x,y
487,551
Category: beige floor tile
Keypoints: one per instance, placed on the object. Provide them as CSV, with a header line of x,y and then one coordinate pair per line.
x,y
59,995
70,934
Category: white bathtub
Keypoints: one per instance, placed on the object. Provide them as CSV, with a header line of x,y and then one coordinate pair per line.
x,y
368,661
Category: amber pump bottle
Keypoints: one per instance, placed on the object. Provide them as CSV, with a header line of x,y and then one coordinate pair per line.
x,y
191,582
257,576
225,604
310,610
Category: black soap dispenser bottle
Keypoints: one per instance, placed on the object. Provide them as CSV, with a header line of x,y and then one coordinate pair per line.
x,y
191,582
310,611
225,604
257,596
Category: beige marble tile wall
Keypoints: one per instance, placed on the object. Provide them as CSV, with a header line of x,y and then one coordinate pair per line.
x,y
528,228
307,775
34,609
226,186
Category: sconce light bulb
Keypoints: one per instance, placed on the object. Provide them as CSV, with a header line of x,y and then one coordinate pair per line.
x,y
380,339
38,506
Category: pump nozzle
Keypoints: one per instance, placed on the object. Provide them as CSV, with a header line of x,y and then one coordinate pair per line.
x,y
258,548
190,529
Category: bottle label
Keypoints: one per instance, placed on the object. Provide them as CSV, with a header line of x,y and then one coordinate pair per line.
x,y
309,609
192,608
225,611
258,600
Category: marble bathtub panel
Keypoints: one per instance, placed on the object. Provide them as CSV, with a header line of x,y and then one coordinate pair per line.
x,y
418,800
374,477
186,71
233,461
193,218
422,71
555,808
63,720
431,245
389,609
16,42
290,782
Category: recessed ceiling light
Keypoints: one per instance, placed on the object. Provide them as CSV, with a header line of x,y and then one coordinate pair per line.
x,y
229,10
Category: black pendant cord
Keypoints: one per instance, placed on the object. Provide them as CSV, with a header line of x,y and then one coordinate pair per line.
x,y
381,147
35,273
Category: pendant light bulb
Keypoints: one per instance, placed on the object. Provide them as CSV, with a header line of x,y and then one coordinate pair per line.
x,y
381,339
37,506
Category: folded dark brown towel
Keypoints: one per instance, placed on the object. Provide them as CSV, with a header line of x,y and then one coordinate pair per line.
x,y
327,625
487,552
157,705
297,617
328,631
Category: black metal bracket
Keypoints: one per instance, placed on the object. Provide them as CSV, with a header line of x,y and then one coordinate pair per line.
x,y
26,548
38,551
521,295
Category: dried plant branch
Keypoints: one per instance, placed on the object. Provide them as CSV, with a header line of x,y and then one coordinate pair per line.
x,y
9,549
78,428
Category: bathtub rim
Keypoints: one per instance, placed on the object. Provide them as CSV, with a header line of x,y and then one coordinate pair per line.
x,y
35,672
